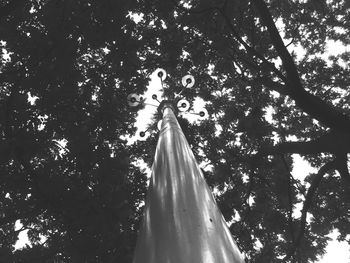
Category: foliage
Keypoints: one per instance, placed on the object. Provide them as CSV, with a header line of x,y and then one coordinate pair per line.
x,y
67,172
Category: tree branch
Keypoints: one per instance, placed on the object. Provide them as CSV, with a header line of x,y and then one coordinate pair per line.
x,y
273,85
332,142
314,106
342,167
307,203
290,199
277,41
248,48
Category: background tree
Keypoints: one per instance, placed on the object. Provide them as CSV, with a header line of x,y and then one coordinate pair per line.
x,y
67,172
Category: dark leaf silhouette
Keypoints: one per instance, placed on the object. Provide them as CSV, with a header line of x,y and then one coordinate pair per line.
x,y
68,174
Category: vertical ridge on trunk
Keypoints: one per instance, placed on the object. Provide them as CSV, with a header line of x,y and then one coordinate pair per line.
x,y
182,222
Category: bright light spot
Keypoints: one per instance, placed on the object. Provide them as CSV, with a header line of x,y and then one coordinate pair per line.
x,y
32,10
6,56
258,245
297,210
301,168
269,111
334,48
210,69
28,196
292,138
106,50
275,94
136,17
62,146
336,251
23,239
245,178
32,99
43,120
298,50
163,24
206,166
186,4
18,225
218,129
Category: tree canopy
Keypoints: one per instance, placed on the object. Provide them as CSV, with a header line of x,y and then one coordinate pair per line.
x,y
270,87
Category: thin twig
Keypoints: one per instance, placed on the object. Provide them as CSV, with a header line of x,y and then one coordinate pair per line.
x,y
290,200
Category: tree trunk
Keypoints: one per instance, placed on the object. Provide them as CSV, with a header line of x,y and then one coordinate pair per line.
x,y
182,222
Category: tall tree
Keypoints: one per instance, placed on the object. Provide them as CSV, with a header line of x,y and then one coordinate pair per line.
x,y
272,91
67,173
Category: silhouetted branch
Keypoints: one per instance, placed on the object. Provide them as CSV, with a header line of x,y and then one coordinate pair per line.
x,y
342,167
290,199
307,203
273,85
328,143
250,49
277,41
311,104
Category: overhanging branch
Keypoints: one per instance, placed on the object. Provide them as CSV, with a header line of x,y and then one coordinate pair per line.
x,y
309,103
332,142
307,203
248,48
277,41
342,167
